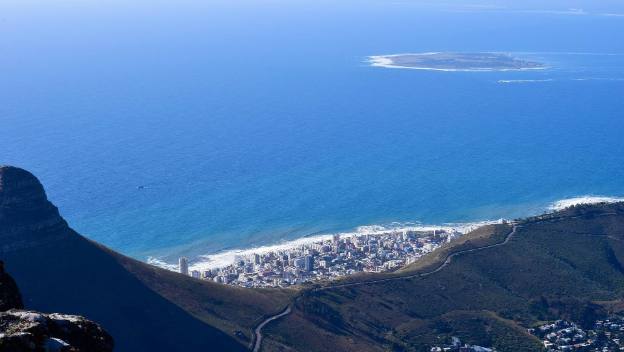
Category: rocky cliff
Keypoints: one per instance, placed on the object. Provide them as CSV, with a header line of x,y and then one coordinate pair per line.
x,y
23,330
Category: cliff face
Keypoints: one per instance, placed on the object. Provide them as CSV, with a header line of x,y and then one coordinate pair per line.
x,y
27,218
22,330
60,271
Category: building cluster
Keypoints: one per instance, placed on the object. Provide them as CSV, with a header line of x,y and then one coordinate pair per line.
x,y
327,259
457,346
606,335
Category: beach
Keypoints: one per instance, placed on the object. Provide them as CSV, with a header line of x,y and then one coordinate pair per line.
x,y
228,257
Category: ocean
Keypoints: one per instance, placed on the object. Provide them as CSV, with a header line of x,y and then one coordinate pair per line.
x,y
165,129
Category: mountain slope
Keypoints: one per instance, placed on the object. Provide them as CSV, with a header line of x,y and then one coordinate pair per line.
x,y
563,265
59,270
501,279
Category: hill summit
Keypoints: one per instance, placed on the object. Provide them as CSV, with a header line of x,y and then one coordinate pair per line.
x,y
27,218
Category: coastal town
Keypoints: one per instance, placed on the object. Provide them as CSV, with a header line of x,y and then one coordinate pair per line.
x,y
457,346
605,335
326,259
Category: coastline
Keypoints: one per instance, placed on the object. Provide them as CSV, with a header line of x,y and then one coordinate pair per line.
x,y
568,202
227,257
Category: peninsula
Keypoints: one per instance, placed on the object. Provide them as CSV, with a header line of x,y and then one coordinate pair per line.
x,y
455,62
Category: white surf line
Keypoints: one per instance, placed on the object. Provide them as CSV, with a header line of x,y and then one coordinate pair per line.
x,y
588,199
512,81
257,344
228,257
447,261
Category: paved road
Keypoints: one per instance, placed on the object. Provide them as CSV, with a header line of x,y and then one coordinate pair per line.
x,y
440,267
258,331
257,343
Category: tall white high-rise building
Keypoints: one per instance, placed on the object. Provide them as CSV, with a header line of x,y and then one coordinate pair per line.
x,y
308,263
183,265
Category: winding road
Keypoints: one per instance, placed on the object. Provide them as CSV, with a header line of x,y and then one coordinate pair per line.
x,y
258,330
257,341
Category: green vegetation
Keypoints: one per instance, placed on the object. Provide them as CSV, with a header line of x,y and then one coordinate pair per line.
x,y
563,265
233,310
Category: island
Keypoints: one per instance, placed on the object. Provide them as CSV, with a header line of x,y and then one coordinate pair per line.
x,y
455,62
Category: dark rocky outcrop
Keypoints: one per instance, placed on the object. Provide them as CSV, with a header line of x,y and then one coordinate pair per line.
x,y
58,270
23,330
9,294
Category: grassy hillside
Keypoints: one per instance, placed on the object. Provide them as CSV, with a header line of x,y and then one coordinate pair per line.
x,y
234,310
563,265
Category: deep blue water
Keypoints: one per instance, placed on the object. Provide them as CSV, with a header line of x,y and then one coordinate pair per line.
x,y
251,122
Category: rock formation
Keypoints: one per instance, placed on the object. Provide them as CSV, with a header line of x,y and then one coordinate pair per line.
x,y
25,330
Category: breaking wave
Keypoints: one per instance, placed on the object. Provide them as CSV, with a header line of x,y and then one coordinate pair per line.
x,y
227,257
